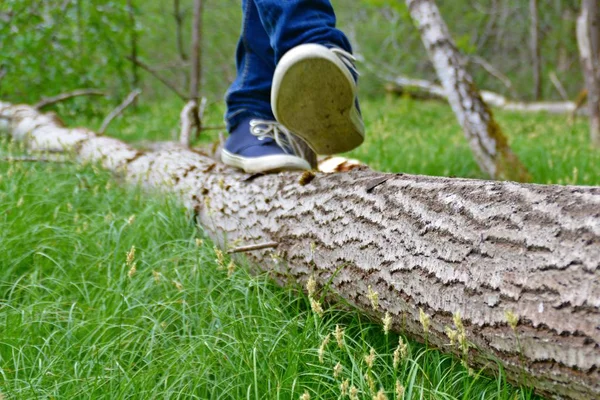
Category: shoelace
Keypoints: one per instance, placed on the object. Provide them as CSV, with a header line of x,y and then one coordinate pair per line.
x,y
348,59
283,137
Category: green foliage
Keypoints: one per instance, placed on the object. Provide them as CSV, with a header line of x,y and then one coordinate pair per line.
x,y
85,317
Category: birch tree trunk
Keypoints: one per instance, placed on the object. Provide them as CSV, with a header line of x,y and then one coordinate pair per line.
x,y
487,141
588,38
510,270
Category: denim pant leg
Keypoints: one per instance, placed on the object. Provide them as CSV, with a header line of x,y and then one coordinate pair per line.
x,y
250,93
270,28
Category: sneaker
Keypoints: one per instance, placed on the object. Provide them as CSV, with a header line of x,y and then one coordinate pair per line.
x,y
257,145
314,96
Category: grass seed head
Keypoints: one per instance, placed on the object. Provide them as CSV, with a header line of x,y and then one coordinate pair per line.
x,y
230,269
425,320
130,256
380,395
370,358
370,382
512,319
400,352
311,286
305,396
354,393
337,370
131,220
399,390
344,387
452,335
323,347
316,307
387,323
156,276
339,336
373,298
220,260
132,271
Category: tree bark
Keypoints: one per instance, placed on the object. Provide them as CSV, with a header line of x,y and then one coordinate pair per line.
x,y
487,141
520,263
588,40
536,55
196,52
135,80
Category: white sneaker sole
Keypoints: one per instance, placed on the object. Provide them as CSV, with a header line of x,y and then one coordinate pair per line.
x,y
254,165
314,96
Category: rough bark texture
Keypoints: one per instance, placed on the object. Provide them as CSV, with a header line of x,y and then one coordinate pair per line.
x,y
520,263
487,141
588,40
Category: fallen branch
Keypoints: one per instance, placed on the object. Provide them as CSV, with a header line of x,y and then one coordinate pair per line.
x,y
35,159
65,96
423,89
188,119
119,110
160,78
256,247
558,85
517,265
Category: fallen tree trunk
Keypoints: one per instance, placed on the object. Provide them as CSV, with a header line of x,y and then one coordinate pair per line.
x,y
519,263
423,89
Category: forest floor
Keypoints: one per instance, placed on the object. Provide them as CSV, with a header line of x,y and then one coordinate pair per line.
x,y
83,315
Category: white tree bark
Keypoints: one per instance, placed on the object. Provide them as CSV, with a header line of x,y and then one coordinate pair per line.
x,y
420,88
487,141
520,263
587,38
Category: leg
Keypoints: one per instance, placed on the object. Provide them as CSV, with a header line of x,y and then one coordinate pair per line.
x,y
249,95
314,92
291,23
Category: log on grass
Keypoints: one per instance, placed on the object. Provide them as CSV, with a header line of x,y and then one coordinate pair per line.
x,y
426,90
511,270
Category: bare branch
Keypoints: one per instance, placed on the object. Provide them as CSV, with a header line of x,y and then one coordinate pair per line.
x,y
558,85
496,73
178,14
255,247
65,96
117,111
163,80
58,160
188,122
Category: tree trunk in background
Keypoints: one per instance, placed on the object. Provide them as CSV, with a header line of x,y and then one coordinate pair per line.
x,y
588,39
519,263
536,55
196,66
179,18
487,141
135,80
196,52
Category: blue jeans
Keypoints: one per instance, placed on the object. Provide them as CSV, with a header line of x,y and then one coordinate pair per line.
x,y
269,29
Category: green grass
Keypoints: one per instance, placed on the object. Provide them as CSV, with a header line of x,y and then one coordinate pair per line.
x,y
77,322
